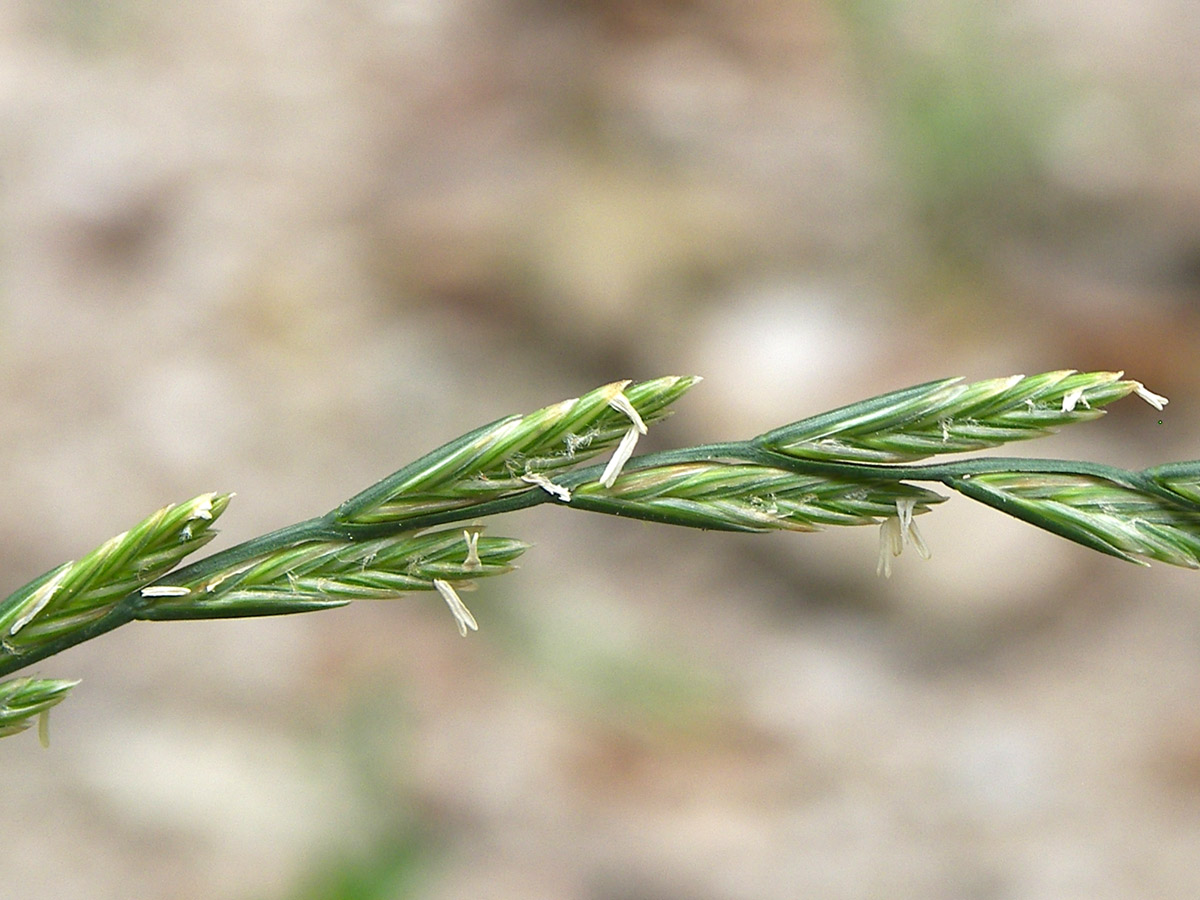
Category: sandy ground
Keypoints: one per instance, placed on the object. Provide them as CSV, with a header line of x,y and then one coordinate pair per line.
x,y
284,248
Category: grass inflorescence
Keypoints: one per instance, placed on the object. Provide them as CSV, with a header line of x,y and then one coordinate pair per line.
x,y
850,466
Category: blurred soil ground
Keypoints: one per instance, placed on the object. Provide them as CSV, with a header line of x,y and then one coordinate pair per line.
x,y
283,248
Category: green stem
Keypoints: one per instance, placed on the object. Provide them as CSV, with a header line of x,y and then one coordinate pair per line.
x,y
951,474
955,475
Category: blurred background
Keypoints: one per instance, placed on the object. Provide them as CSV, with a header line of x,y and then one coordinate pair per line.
x,y
284,248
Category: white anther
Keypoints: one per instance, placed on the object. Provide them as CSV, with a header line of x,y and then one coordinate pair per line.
x,y
472,561
202,508
554,490
895,532
621,404
1072,398
1158,401
165,590
462,615
890,544
620,457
